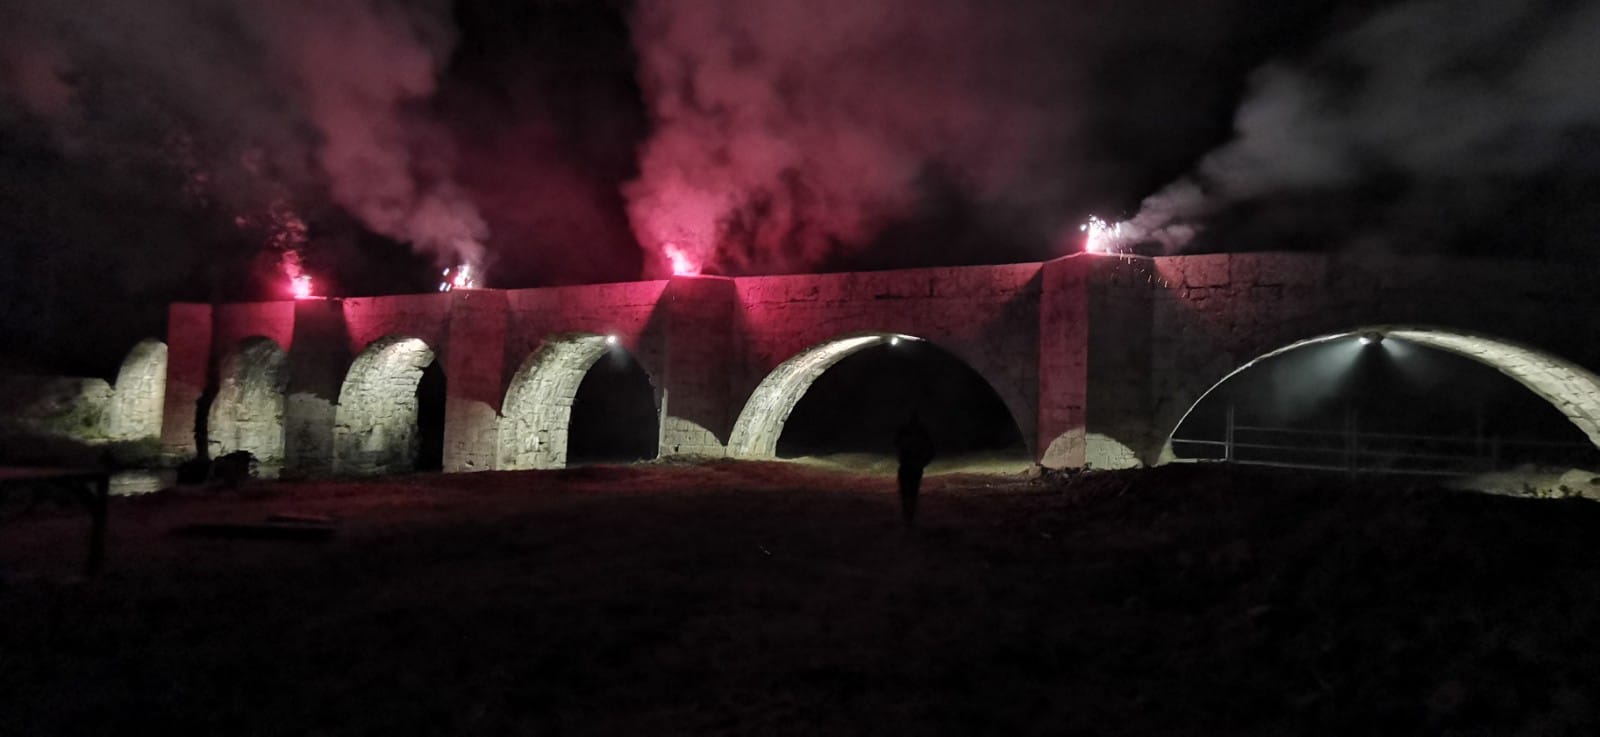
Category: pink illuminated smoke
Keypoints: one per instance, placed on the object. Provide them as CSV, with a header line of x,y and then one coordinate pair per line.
x,y
788,133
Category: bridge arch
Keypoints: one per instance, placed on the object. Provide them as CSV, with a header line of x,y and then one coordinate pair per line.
x,y
376,423
760,425
247,412
1569,388
138,396
536,419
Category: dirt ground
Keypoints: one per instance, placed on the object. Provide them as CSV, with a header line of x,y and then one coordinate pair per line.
x,y
785,599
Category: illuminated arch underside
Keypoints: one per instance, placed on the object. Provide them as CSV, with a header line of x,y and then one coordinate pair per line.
x,y
1568,387
1571,389
375,423
755,434
247,413
136,402
537,413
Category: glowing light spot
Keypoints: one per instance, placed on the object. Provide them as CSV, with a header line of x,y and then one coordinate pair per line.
x,y
894,341
1100,236
682,265
611,340
460,277
300,286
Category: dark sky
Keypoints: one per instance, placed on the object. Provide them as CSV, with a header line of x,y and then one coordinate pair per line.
x,y
198,149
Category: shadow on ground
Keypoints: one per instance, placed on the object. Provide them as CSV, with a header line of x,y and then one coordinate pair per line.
x,y
780,599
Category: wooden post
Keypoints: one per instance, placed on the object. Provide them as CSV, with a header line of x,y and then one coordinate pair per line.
x,y
99,502
1350,440
1227,437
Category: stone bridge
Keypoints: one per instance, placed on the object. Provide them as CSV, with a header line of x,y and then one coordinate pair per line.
x,y
1098,358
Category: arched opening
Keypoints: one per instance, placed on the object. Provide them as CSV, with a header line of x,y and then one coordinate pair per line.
x,y
378,424
138,397
1397,400
247,412
613,413
430,419
580,398
845,399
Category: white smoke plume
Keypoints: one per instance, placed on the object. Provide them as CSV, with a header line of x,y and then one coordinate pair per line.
x,y
1430,90
314,99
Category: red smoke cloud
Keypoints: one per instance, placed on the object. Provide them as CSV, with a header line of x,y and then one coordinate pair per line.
x,y
359,67
274,99
785,131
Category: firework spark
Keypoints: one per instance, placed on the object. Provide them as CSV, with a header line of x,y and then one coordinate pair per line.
x,y
1101,236
460,277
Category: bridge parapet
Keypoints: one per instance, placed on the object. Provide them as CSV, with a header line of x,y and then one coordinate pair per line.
x,y
1097,357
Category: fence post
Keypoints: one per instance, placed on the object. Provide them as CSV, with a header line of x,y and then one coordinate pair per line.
x,y
1350,441
1227,437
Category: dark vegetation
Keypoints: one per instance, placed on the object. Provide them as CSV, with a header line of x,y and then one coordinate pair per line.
x,y
778,599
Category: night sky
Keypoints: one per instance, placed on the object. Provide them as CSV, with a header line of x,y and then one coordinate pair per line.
x,y
202,149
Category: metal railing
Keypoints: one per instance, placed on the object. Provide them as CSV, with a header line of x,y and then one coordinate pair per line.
x,y
1352,450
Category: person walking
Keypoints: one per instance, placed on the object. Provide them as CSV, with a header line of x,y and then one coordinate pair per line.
x,y
916,450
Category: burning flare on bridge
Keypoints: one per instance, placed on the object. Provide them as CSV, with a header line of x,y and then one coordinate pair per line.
x,y
300,283
301,286
1101,236
682,264
460,277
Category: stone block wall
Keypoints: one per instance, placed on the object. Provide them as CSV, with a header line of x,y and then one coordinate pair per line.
x,y
474,370
985,316
189,330
1096,357
318,360
1212,314
247,412
695,402
375,422
553,336
137,400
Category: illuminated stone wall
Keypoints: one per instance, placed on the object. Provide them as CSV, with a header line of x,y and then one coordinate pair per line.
x,y
987,317
1094,361
138,396
553,336
1213,314
1097,358
760,423
538,407
247,412
375,424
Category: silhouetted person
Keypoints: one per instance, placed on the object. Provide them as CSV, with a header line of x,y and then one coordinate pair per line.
x,y
916,450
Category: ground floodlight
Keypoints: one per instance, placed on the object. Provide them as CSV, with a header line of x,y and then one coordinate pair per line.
x,y
1371,337
611,340
894,341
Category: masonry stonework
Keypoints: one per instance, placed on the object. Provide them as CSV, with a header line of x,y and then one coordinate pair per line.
x,y
248,409
138,396
1097,358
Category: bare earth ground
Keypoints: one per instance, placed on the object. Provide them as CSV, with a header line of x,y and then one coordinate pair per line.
x,y
784,599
